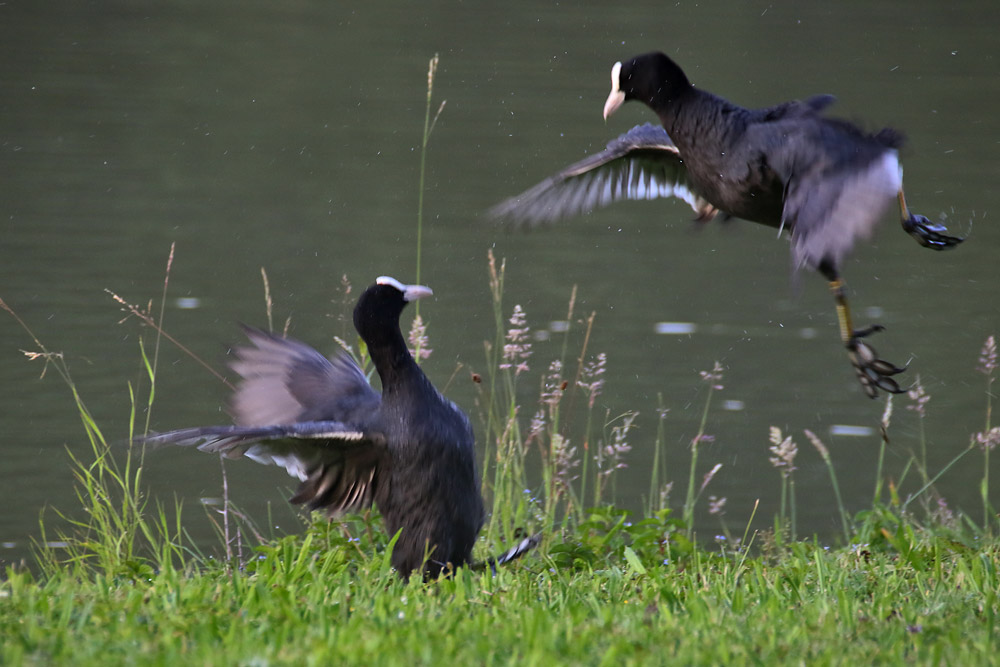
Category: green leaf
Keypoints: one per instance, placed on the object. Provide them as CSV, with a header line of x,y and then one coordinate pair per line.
x,y
633,561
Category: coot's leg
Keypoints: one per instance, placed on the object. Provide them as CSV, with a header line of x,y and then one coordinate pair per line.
x,y
927,233
873,373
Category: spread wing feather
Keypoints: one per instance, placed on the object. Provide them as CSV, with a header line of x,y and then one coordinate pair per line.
x,y
643,163
296,409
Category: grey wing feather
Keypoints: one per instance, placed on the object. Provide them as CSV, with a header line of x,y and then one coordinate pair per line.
x,y
643,163
811,106
828,213
337,465
285,381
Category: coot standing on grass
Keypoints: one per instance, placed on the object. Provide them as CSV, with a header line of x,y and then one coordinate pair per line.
x,y
410,450
823,180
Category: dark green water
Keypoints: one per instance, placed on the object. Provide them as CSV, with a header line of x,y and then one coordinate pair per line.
x,y
286,136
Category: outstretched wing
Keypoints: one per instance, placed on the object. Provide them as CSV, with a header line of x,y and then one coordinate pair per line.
x,y
643,163
297,409
338,465
285,381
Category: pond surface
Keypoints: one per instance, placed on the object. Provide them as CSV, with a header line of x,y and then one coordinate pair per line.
x,y
287,136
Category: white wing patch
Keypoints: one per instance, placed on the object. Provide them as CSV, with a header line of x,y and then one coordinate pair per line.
x,y
294,465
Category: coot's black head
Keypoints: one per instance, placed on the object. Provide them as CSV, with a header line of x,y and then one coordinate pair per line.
x,y
652,78
376,316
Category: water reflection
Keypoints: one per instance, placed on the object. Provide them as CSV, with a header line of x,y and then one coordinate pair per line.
x,y
285,136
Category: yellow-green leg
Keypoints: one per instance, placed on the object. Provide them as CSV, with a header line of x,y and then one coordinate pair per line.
x,y
843,310
873,373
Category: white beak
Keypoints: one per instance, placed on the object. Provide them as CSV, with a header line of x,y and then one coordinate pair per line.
x,y
410,292
617,97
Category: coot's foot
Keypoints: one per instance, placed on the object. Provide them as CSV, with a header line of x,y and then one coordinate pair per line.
x,y
929,234
873,373
926,233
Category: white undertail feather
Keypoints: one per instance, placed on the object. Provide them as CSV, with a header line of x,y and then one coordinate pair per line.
x,y
863,199
521,548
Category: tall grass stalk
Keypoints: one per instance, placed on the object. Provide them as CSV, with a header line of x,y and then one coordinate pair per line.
x,y
611,454
712,379
933,480
984,491
428,129
151,367
504,363
784,450
883,441
418,324
988,438
658,473
553,390
592,386
565,340
919,399
825,455
492,354
988,442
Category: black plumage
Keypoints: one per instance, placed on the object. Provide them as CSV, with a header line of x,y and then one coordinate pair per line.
x,y
408,450
823,180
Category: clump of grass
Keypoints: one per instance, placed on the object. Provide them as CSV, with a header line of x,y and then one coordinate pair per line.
x,y
117,537
576,467
319,597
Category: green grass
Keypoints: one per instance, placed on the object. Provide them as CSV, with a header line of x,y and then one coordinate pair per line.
x,y
315,599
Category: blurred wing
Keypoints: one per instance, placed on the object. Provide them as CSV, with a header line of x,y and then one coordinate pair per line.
x,y
643,163
829,212
337,465
811,106
285,381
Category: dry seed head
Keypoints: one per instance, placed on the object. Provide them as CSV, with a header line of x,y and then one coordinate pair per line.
x,y
988,357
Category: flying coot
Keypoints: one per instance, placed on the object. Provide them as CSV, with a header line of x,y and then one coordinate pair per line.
x,y
823,180
408,450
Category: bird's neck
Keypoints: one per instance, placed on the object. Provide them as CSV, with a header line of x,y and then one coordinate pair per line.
x,y
669,102
685,118
392,361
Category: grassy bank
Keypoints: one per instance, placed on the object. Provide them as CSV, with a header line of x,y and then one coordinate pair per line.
x,y
317,599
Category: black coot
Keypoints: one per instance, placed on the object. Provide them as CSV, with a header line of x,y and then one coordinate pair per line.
x,y
410,450
823,180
